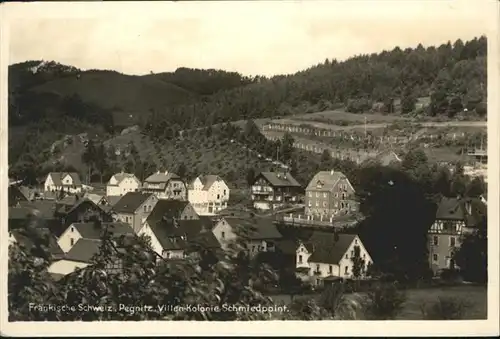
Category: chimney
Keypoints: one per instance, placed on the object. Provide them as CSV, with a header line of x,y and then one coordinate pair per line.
x,y
158,172
331,172
166,172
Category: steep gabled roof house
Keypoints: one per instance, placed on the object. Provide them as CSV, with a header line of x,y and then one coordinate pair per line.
x,y
131,202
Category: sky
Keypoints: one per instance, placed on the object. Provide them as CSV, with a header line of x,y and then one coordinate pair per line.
x,y
253,38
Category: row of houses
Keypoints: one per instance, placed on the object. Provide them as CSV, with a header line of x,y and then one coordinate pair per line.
x,y
207,193
75,225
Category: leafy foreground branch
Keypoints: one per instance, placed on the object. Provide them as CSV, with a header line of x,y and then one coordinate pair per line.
x,y
145,287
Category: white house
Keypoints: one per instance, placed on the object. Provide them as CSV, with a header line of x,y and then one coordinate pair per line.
x,y
208,194
122,183
328,255
77,231
65,181
81,255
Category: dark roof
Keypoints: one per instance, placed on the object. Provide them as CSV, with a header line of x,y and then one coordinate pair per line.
x,y
325,249
15,195
186,233
130,202
83,250
23,239
92,231
207,181
478,211
167,208
450,209
325,181
279,179
58,176
255,228
208,222
113,199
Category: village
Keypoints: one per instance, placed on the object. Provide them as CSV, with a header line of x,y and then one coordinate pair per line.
x,y
177,216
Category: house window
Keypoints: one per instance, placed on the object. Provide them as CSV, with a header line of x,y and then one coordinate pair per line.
x,y
324,203
310,194
435,240
355,241
325,195
452,241
224,192
317,203
72,229
346,270
71,241
347,256
317,194
223,235
317,268
352,253
300,259
218,196
331,269
168,255
364,256
435,257
145,208
310,204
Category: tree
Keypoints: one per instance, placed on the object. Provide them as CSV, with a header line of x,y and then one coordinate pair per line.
x,y
472,256
408,101
144,278
182,171
476,187
325,161
286,149
358,264
250,176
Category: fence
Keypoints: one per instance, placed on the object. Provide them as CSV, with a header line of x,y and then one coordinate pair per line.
x,y
309,220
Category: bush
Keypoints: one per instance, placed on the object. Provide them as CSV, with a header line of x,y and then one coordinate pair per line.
x,y
446,308
384,302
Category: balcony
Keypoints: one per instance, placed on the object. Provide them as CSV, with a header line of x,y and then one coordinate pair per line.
x,y
261,192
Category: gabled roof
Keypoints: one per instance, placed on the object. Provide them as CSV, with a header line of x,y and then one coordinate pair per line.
x,y
57,178
95,198
161,177
326,249
255,228
83,250
113,199
279,179
130,202
450,209
23,239
182,234
122,176
326,180
167,208
207,181
93,230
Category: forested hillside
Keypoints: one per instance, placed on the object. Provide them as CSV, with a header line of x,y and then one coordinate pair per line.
x,y
47,100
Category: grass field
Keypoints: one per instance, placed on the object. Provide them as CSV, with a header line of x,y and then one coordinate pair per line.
x,y
475,296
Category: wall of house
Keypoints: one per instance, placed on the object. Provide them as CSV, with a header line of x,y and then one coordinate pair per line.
x,y
65,266
143,212
224,233
189,213
346,260
441,249
302,257
256,246
125,186
126,218
324,270
155,243
329,203
176,189
68,239
173,254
